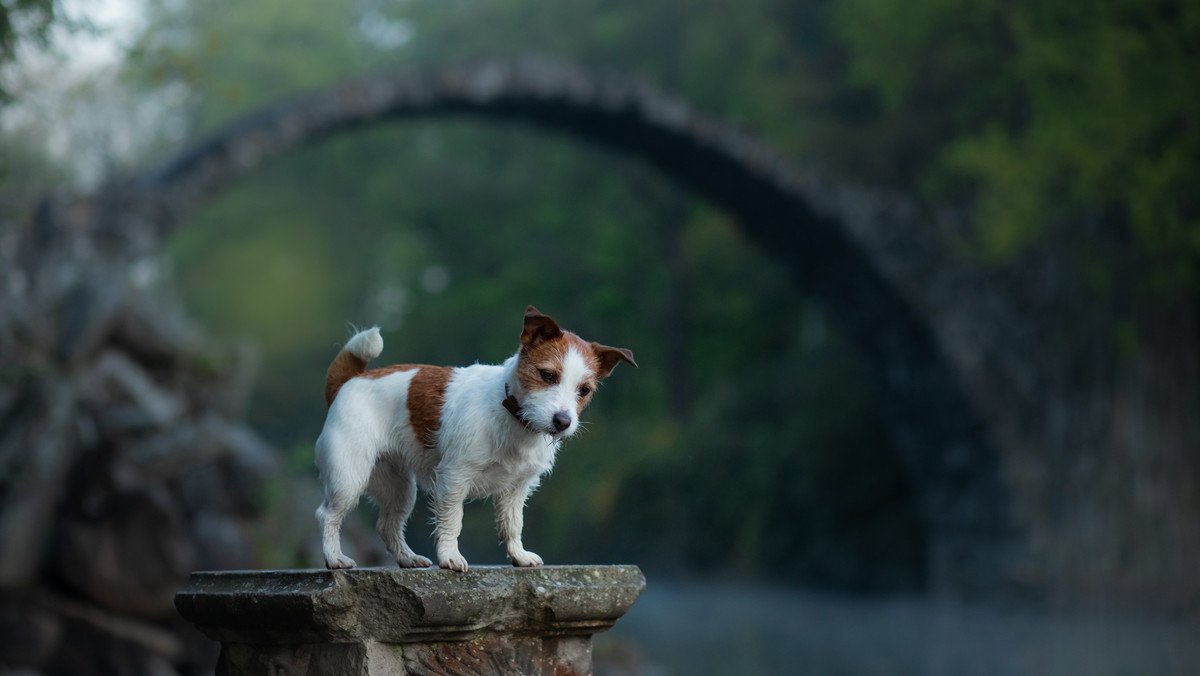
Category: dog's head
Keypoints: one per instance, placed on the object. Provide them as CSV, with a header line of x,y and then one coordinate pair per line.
x,y
556,375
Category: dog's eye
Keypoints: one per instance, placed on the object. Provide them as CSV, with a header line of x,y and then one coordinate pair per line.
x,y
584,391
550,377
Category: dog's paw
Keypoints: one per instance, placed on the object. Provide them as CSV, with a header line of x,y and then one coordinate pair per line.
x,y
341,562
525,559
455,561
413,561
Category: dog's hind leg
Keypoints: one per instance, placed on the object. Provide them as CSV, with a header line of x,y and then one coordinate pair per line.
x,y
330,515
344,483
395,491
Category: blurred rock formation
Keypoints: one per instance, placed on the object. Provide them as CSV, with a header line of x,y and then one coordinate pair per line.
x,y
123,464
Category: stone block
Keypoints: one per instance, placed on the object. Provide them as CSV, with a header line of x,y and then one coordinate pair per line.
x,y
388,621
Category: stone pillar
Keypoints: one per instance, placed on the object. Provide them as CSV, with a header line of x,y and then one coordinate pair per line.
x,y
377,621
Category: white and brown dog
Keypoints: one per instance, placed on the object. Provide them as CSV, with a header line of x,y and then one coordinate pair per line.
x,y
461,433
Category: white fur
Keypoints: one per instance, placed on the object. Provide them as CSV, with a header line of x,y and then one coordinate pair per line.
x,y
366,345
368,446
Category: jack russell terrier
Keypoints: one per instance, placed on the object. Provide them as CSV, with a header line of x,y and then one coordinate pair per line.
x,y
460,433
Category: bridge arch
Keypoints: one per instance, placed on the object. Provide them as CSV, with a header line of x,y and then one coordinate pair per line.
x,y
813,226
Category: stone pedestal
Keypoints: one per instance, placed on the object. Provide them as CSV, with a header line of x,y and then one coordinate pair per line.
x,y
377,621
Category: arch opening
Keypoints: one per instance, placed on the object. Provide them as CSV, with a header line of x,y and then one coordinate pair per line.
x,y
804,222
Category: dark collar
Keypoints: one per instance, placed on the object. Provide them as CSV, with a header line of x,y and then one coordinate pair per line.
x,y
514,407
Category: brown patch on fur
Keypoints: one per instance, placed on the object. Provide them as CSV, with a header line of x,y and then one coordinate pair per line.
x,y
581,346
546,355
544,347
549,355
375,374
343,367
609,357
538,327
426,395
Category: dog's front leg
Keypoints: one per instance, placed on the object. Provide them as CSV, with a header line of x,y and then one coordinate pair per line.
x,y
510,521
448,512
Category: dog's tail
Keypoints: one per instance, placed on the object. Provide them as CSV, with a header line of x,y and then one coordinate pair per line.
x,y
352,360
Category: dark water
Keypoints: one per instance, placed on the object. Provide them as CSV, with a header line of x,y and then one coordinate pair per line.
x,y
679,629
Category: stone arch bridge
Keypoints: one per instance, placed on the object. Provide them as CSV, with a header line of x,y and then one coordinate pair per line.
x,y
861,255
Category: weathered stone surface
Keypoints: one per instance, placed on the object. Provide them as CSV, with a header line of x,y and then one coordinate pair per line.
x,y
483,654
393,605
502,654
489,620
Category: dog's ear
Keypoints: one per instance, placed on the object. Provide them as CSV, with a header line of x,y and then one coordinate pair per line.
x,y
610,357
538,328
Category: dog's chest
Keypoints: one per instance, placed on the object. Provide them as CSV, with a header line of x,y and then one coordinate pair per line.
x,y
512,470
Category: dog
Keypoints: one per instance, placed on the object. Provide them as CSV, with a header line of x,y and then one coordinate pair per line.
x,y
460,433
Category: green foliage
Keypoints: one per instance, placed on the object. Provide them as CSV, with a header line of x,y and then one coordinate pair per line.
x,y
24,169
742,429
1049,117
235,55
1060,127
777,473
24,20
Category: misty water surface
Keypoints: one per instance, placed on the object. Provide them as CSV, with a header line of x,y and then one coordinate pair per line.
x,y
679,629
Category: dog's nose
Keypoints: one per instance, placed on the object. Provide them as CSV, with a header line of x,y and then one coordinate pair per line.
x,y
561,420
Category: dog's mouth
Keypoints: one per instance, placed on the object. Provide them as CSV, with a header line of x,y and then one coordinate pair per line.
x,y
547,429
541,429
551,429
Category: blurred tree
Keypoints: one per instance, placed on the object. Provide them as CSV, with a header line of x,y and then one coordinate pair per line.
x,y
1063,136
23,21
443,231
1057,121
234,55
1066,135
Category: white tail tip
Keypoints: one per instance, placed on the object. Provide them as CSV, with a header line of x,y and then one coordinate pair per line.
x,y
366,345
